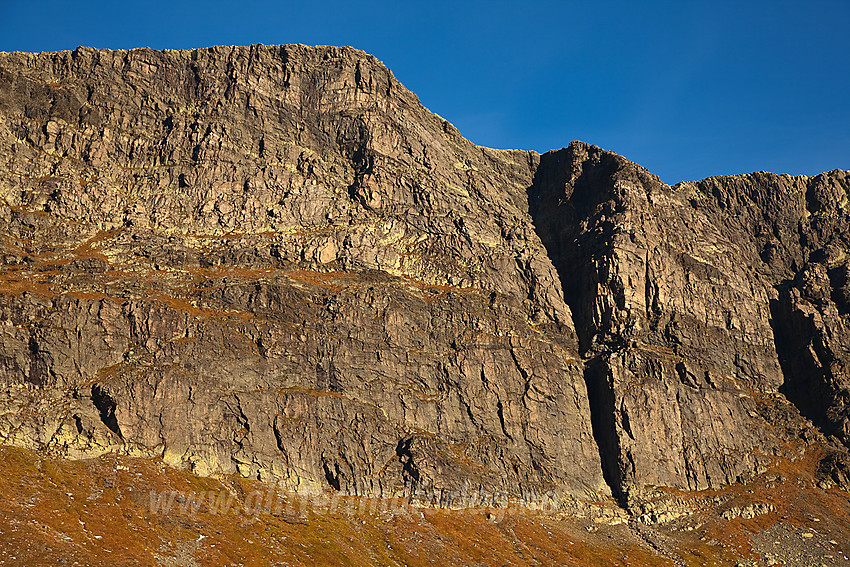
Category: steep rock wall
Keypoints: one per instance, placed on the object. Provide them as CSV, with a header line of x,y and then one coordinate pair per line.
x,y
695,338
275,261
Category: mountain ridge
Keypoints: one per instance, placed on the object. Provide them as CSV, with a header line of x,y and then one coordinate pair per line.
x,y
274,261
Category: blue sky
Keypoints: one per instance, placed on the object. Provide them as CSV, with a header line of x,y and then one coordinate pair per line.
x,y
687,89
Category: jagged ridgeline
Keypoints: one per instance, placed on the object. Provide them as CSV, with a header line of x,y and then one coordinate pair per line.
x,y
275,261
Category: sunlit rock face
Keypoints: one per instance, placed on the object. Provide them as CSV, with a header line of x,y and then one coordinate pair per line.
x,y
275,261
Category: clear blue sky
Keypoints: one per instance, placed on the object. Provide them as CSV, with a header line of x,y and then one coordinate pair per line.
x,y
687,89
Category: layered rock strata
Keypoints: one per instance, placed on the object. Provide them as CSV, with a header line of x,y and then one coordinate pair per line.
x,y
275,261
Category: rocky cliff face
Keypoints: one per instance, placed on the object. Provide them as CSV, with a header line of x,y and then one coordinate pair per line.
x,y
690,312
274,260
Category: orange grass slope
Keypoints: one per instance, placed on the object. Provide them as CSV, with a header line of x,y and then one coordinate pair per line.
x,y
125,511
121,511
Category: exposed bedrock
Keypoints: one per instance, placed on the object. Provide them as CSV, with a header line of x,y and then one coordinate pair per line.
x,y
275,261
683,309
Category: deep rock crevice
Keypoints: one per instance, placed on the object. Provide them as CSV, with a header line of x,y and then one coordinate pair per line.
x,y
106,406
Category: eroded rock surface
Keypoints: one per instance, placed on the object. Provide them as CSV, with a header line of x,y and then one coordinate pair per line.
x,y
276,261
699,308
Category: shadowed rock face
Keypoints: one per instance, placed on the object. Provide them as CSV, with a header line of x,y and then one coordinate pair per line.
x,y
274,260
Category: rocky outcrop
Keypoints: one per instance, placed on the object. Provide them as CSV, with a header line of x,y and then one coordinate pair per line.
x,y
275,261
